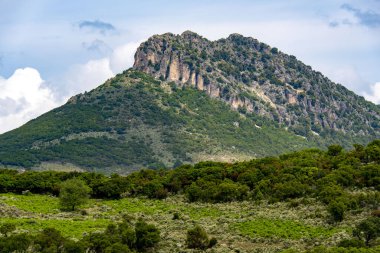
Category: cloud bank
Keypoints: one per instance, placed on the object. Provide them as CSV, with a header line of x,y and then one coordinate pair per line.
x,y
23,97
87,76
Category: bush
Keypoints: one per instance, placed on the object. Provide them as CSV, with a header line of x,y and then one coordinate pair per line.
x,y
197,238
176,216
336,210
117,248
351,243
147,235
368,230
7,228
15,243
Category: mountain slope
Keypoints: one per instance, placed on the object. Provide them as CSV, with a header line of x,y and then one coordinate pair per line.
x,y
188,99
253,77
134,120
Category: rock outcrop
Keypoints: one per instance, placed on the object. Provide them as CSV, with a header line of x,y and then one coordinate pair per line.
x,y
253,77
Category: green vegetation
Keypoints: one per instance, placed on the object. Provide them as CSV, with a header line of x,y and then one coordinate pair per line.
x,y
197,238
135,121
73,193
368,230
276,228
299,200
116,238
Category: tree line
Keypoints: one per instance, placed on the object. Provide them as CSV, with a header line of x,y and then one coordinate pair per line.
x,y
331,176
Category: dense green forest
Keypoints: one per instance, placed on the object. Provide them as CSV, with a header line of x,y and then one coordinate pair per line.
x,y
346,183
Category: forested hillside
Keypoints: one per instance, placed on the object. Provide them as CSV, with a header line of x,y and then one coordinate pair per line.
x,y
134,121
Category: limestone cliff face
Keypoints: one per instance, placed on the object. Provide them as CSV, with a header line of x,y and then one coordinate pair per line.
x,y
255,78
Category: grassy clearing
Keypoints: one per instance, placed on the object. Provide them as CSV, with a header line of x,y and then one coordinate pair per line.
x,y
244,226
73,228
43,204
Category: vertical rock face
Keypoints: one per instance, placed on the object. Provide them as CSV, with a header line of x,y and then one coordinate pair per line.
x,y
174,73
192,79
251,75
200,85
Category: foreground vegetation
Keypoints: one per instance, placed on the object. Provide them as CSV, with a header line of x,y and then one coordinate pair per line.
x,y
312,200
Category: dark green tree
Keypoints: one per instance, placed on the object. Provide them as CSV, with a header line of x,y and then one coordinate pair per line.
x,y
368,229
334,150
147,235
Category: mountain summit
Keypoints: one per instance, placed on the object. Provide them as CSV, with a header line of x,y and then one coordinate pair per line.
x,y
188,99
256,78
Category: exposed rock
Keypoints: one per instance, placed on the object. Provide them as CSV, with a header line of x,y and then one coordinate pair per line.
x,y
200,82
174,73
246,73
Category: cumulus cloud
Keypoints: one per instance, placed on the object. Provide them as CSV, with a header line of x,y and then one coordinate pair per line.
x,y
23,97
122,57
87,76
374,95
97,26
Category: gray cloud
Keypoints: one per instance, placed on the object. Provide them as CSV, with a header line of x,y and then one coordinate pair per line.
x,y
97,26
97,46
366,18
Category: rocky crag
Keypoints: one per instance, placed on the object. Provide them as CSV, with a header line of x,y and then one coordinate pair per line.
x,y
256,78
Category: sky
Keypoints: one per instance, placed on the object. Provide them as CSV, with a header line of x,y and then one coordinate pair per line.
x,y
51,50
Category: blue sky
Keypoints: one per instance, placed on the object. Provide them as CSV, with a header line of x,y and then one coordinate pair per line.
x,y
51,50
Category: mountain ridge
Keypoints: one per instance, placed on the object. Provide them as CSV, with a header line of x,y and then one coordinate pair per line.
x,y
254,71
188,99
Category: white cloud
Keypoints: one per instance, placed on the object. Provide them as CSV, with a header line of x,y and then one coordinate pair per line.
x,y
23,97
123,57
85,77
374,96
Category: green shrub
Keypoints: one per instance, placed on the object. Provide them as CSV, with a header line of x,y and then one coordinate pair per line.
x,y
197,238
7,228
336,210
368,230
147,235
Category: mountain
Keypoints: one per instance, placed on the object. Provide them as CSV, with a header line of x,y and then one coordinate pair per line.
x,y
255,78
188,99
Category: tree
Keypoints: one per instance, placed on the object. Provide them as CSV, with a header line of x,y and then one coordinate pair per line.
x,y
368,230
334,150
73,193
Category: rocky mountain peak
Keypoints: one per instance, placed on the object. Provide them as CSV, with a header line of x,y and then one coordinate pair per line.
x,y
253,77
